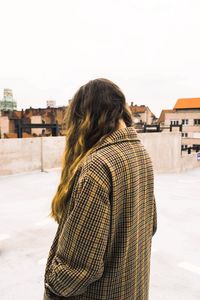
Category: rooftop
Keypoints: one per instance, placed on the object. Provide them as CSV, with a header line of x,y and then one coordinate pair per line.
x,y
138,109
187,103
27,234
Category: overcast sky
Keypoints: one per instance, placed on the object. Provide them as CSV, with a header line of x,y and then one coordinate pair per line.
x,y
150,48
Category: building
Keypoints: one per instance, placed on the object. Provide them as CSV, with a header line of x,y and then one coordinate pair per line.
x,y
142,115
7,103
9,121
186,112
161,119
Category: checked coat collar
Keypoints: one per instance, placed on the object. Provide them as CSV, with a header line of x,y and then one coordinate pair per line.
x,y
119,135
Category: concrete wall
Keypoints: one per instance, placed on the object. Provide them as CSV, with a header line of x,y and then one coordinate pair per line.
x,y
164,149
25,155
19,155
53,148
189,162
42,153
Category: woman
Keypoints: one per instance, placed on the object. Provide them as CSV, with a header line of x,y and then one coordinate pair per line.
x,y
104,204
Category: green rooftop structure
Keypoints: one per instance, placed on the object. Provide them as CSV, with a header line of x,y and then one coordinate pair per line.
x,y
8,103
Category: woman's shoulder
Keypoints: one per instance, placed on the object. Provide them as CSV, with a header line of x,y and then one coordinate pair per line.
x,y
96,167
95,162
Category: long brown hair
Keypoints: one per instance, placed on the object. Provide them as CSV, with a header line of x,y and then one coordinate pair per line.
x,y
92,115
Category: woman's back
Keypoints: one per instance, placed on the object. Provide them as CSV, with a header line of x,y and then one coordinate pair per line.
x,y
102,247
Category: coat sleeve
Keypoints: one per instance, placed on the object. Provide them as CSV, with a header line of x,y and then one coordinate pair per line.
x,y
79,260
155,218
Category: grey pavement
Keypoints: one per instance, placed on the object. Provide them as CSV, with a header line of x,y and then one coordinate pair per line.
x,y
26,234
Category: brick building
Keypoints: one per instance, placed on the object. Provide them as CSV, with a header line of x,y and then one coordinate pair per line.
x,y
49,115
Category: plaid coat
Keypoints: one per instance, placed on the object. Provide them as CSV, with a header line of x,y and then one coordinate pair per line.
x,y
102,246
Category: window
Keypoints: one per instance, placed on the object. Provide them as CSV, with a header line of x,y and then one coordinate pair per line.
x,y
184,146
174,122
184,134
196,121
184,121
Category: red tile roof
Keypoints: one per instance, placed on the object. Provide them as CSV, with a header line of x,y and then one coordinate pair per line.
x,y
138,109
185,103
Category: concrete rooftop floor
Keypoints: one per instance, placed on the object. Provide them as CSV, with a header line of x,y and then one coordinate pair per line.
x,y
26,234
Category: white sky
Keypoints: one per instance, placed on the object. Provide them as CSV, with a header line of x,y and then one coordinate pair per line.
x,y
151,49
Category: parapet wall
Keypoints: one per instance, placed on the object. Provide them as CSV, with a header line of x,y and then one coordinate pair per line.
x,y
164,149
29,154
